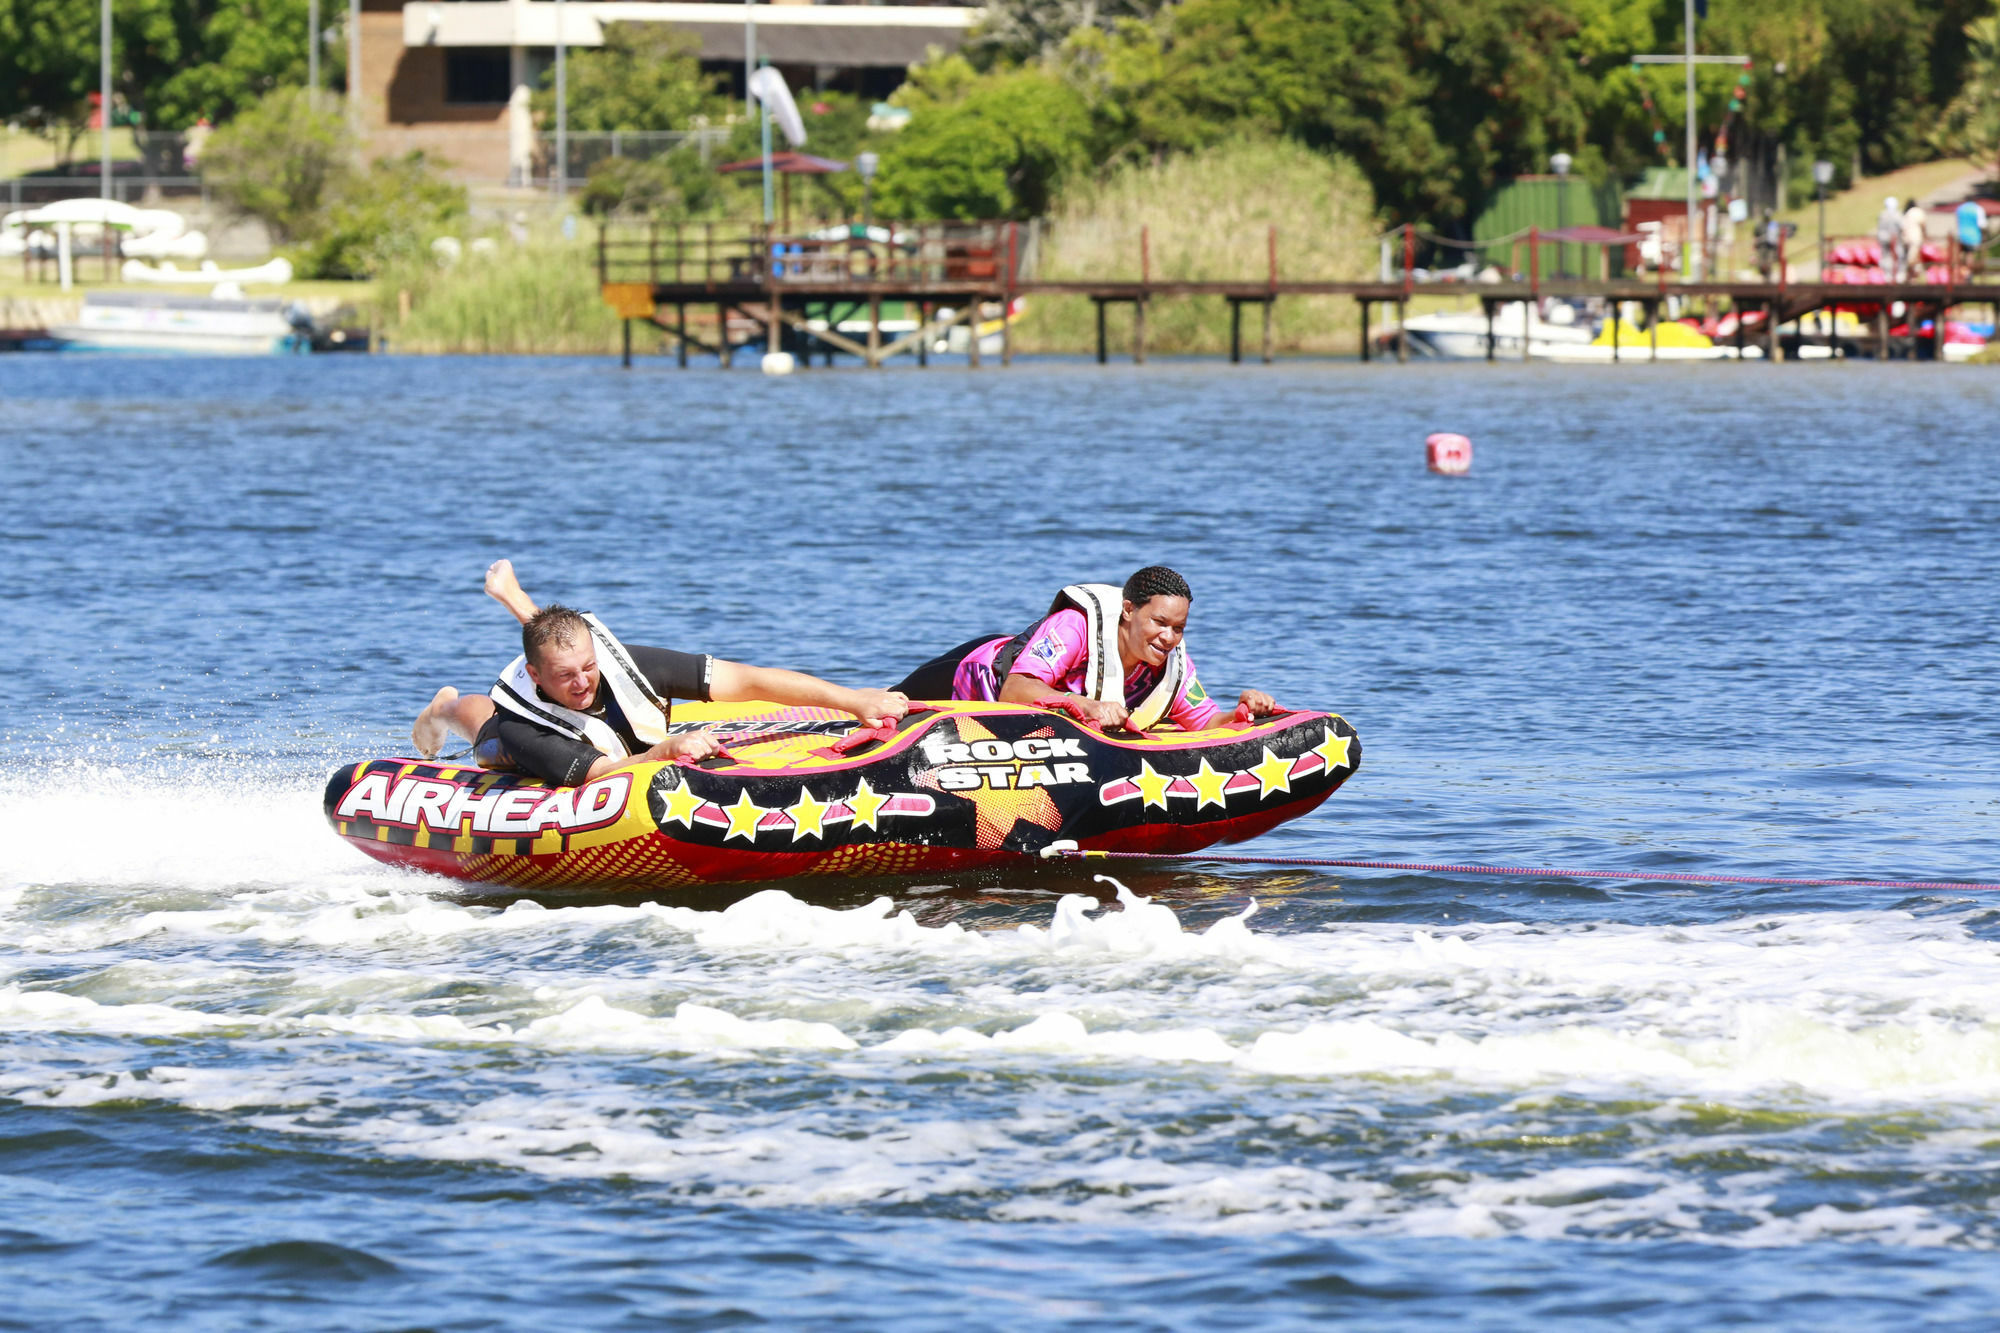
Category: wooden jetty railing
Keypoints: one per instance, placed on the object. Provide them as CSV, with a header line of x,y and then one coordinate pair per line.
x,y
796,290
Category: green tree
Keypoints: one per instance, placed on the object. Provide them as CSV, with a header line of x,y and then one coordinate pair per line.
x,y
646,76
1013,31
674,186
1970,125
1003,150
251,47
385,215
282,161
49,60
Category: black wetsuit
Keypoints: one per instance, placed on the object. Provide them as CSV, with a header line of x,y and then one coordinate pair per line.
x,y
509,741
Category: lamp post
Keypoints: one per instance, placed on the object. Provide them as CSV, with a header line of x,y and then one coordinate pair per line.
x,y
560,176
867,164
104,104
1560,163
1822,177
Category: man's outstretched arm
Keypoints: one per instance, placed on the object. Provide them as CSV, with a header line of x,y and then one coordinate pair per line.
x,y
733,682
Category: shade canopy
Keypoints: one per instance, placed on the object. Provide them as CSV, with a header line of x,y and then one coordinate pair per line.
x,y
787,164
1590,235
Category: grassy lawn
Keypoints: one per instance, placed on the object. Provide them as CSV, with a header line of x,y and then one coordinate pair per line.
x,y
1852,212
12,288
21,151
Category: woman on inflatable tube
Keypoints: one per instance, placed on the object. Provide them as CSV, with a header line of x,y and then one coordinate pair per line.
x,y
1111,657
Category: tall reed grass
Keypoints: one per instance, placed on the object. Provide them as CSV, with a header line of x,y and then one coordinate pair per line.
x,y
539,299
1208,216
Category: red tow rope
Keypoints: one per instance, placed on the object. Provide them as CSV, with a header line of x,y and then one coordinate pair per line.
x,y
1519,872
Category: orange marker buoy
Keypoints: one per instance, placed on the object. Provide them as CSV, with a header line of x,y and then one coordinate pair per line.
x,y
1448,453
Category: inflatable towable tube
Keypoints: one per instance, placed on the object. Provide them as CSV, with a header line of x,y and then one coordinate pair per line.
x,y
804,791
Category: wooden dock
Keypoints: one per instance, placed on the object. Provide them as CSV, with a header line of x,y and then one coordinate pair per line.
x,y
796,291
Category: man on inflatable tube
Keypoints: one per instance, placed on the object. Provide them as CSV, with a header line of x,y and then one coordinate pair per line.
x,y
578,704
1111,657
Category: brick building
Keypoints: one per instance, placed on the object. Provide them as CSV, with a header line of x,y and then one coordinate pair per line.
x,y
452,77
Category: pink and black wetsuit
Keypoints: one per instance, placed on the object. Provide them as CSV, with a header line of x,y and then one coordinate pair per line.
x,y
1057,653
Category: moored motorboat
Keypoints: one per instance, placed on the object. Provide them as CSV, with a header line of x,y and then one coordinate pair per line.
x,y
803,791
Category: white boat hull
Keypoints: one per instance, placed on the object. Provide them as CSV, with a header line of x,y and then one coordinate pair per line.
x,y
192,325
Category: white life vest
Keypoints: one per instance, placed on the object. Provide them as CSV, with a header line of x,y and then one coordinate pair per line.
x,y
1104,671
516,692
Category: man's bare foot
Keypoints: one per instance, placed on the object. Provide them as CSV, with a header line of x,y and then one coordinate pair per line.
x,y
427,733
503,587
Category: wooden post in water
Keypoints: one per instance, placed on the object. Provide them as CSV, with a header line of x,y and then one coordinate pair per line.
x,y
1366,353
1139,306
1490,308
1100,329
725,353
1271,290
1235,331
874,330
1614,332
1772,312
681,329
1882,331
924,330
1653,330
972,328
625,327
1007,297
1403,306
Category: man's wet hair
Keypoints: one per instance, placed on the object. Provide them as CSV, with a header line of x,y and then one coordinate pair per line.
x,y
1156,581
554,623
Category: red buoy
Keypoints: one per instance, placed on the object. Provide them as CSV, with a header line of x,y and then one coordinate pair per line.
x,y
1448,453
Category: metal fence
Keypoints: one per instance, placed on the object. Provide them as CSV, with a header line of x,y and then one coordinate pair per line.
x,y
585,151
163,166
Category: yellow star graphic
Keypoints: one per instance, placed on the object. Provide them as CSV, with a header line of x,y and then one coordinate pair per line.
x,y
866,805
743,817
1274,774
1208,786
808,816
681,805
1333,750
1152,786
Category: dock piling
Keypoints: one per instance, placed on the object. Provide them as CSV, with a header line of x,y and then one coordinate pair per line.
x,y
625,326
1269,303
1235,332
1100,332
681,333
1366,353
1490,308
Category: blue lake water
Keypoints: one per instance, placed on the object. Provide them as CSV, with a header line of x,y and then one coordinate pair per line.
x,y
1719,618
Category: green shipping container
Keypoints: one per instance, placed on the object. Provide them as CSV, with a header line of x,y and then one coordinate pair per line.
x,y
1550,202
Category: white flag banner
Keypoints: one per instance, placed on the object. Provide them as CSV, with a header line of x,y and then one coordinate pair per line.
x,y
768,87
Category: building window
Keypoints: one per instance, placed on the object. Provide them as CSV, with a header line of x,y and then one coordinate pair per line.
x,y
476,75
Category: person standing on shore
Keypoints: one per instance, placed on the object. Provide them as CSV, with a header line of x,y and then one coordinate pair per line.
x,y
1971,218
1913,242
1888,237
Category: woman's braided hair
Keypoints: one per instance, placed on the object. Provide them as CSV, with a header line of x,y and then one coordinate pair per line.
x,y
1156,581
